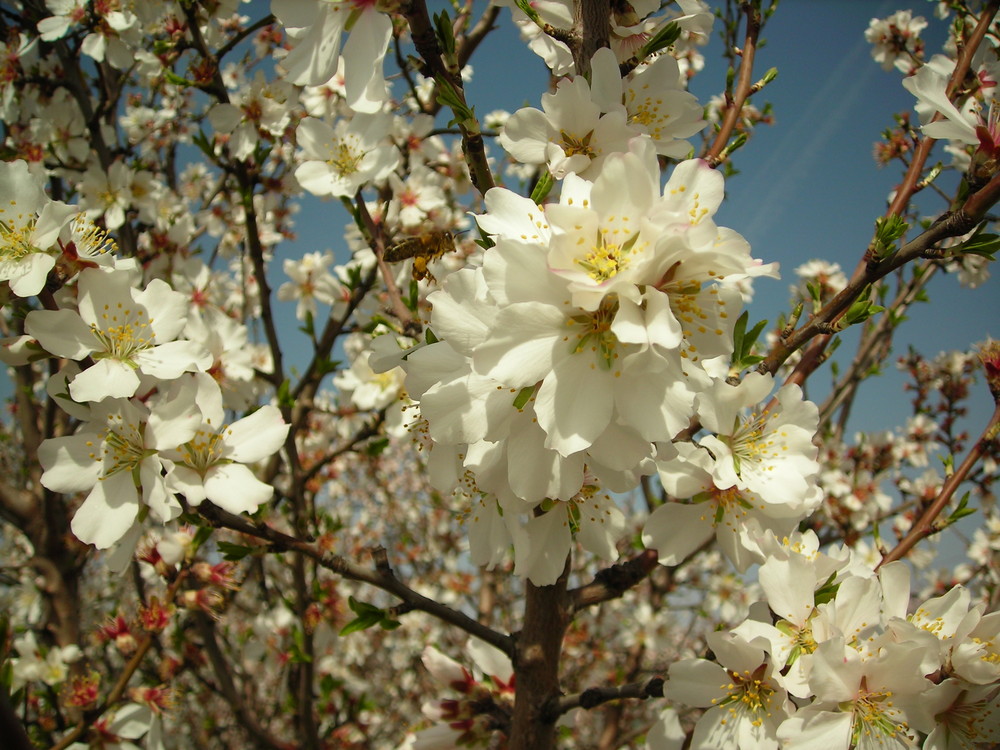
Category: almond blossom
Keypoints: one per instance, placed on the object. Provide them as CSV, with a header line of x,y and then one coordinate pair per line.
x,y
338,160
212,463
742,693
316,27
29,228
128,332
114,457
466,720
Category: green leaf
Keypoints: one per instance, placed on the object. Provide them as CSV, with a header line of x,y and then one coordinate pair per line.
x,y
982,244
376,447
962,510
308,326
362,622
448,96
860,310
177,80
232,551
284,395
827,591
359,607
888,229
660,40
297,653
744,341
445,33
202,142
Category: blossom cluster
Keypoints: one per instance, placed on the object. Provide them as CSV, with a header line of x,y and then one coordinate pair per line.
x,y
835,656
137,377
572,347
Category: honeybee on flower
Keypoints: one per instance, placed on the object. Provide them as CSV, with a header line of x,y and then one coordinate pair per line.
x,y
423,248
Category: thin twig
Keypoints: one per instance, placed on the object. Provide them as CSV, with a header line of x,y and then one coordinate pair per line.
x,y
925,526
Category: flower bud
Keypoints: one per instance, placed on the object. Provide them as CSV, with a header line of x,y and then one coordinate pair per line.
x,y
989,355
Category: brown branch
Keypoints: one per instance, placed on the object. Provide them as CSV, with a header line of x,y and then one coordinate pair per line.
x,y
951,224
612,582
536,661
873,345
592,25
471,41
255,732
425,40
925,526
974,208
11,728
744,87
143,645
596,696
381,577
912,178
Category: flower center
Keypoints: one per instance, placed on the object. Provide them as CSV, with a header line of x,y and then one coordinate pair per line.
x,y
123,332
594,331
202,451
606,258
123,447
573,145
748,695
15,237
346,157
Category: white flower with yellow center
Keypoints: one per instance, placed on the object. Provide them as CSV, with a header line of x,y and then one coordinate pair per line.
x,y
29,228
337,161
859,703
768,451
676,529
741,691
211,465
115,456
128,332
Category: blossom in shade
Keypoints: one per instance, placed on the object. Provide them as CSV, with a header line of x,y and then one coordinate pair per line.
x,y
29,229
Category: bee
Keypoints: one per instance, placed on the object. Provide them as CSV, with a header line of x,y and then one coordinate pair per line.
x,y
423,248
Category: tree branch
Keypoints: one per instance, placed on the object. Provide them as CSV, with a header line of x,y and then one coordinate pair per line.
x,y
744,87
595,696
383,578
612,582
925,526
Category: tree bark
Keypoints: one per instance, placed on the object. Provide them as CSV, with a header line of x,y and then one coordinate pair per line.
x,y
537,652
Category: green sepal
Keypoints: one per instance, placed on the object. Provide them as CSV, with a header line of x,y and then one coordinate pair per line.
x,y
531,13
543,187
523,396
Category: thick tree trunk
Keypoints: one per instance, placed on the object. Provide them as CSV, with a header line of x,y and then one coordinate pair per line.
x,y
537,654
